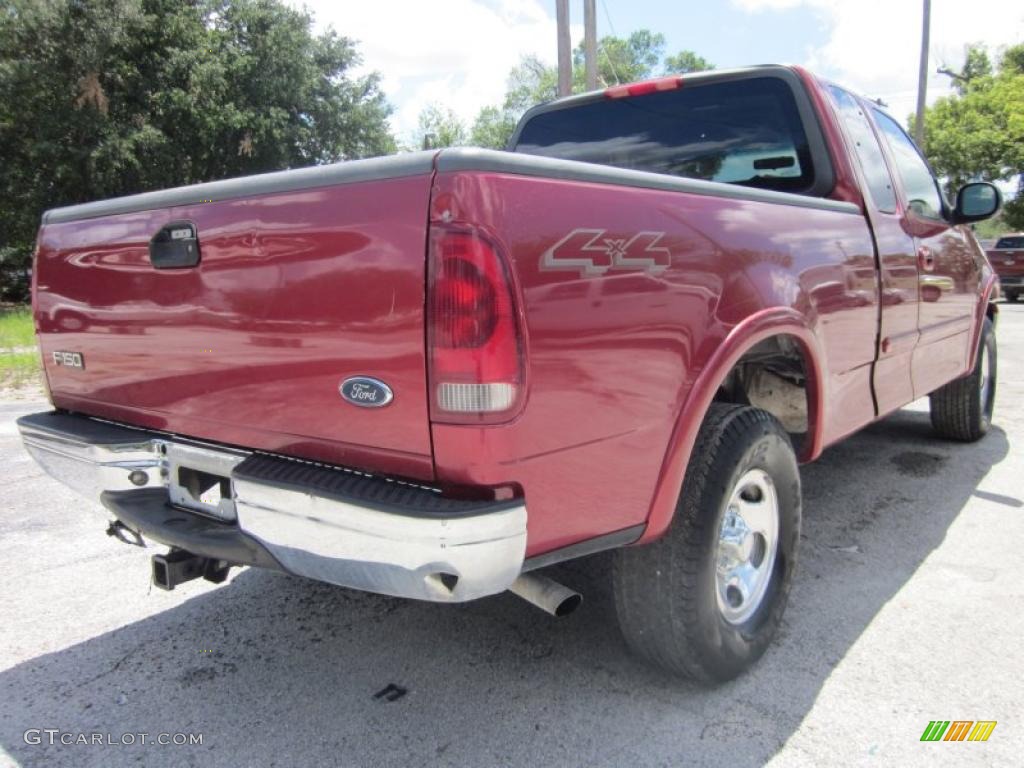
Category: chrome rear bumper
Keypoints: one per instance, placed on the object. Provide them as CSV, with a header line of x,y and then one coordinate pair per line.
x,y
326,523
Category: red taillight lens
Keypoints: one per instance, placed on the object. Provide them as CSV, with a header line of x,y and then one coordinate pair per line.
x,y
464,304
473,329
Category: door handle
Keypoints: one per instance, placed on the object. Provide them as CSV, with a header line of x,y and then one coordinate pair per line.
x,y
175,246
925,258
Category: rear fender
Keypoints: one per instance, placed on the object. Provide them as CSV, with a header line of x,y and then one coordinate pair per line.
x,y
778,321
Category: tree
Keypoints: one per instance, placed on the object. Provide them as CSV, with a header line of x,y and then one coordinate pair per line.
x,y
978,133
493,128
686,62
111,97
439,127
623,60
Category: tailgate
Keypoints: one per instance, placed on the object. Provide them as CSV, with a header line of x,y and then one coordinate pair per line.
x,y
1007,262
296,291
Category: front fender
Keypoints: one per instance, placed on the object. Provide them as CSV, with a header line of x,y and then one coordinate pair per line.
x,y
776,321
987,295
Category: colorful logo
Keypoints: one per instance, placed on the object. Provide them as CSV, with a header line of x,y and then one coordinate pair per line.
x,y
958,730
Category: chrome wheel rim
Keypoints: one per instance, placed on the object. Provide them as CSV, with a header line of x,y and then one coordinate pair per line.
x,y
747,543
984,379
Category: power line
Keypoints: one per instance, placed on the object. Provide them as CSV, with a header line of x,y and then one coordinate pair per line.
x,y
611,26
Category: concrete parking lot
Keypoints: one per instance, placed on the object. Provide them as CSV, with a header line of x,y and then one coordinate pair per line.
x,y
905,609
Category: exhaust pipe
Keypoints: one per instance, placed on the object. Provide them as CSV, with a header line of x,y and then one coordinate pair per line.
x,y
548,595
179,566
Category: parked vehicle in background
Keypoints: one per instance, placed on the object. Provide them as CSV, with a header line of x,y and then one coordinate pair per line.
x,y
431,375
1007,258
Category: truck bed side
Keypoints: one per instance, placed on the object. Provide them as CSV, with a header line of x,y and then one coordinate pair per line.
x,y
614,352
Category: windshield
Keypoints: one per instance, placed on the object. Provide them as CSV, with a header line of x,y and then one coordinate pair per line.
x,y
745,131
1010,242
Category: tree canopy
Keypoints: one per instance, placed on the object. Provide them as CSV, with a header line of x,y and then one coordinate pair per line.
x,y
978,133
111,97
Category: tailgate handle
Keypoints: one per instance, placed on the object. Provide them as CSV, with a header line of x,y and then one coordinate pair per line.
x,y
175,246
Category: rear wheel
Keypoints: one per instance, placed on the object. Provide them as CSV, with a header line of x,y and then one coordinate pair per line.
x,y
1011,296
962,409
705,600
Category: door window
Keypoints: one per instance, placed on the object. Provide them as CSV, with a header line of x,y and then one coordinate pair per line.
x,y
923,195
869,153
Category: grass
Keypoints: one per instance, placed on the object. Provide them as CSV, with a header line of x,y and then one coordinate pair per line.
x,y
19,359
16,328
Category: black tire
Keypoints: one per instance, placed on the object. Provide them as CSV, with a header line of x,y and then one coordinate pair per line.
x,y
1011,296
667,593
960,410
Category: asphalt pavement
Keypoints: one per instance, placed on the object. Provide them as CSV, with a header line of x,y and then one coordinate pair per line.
x,y
905,609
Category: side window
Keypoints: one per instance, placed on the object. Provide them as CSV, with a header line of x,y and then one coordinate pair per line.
x,y
872,162
922,191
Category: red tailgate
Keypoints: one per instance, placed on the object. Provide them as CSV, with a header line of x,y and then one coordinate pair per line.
x,y
295,292
1007,262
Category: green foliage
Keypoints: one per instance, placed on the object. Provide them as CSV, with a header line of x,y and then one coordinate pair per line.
x,y
622,60
20,369
685,62
1012,60
111,97
19,361
529,83
439,127
492,128
979,132
16,329
977,66
990,228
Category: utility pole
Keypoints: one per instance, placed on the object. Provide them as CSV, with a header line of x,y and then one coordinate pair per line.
x,y
590,42
564,48
922,77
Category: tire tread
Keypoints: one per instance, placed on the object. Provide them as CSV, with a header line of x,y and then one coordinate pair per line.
x,y
656,590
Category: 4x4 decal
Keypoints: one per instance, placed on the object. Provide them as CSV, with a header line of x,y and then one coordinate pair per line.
x,y
593,252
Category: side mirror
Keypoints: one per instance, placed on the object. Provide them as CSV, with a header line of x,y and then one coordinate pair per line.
x,y
976,201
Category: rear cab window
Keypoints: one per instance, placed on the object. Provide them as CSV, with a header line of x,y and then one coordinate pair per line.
x,y
1010,242
755,130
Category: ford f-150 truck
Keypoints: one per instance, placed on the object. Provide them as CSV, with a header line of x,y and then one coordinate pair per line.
x,y
432,374
1007,257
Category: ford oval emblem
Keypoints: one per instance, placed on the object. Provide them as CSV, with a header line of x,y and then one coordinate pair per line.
x,y
366,392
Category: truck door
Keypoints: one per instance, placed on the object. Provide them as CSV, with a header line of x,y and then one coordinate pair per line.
x,y
897,264
947,273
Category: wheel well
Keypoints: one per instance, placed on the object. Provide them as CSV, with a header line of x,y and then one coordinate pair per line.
x,y
772,375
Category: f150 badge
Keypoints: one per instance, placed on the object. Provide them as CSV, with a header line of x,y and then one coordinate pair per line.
x,y
592,252
366,392
69,360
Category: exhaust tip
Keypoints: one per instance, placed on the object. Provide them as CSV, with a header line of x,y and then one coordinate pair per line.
x,y
547,594
570,604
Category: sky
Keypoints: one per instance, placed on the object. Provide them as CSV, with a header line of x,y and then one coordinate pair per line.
x,y
457,53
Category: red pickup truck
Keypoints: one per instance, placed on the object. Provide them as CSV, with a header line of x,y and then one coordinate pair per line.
x,y
432,374
1007,257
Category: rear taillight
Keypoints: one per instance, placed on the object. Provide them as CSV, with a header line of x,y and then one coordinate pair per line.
x,y
473,330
